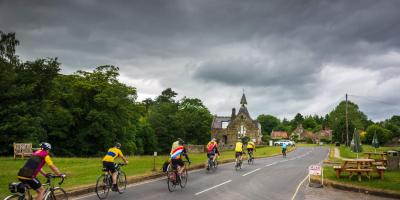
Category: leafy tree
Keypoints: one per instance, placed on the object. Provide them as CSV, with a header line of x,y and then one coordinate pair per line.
x,y
298,119
337,120
268,123
195,120
382,133
167,96
146,140
309,123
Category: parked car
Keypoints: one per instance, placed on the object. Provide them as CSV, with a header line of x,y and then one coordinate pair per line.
x,y
287,142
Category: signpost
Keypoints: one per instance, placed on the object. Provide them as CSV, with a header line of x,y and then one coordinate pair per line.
x,y
315,170
154,161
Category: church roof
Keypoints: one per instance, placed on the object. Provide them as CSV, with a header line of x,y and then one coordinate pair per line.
x,y
244,110
243,101
217,121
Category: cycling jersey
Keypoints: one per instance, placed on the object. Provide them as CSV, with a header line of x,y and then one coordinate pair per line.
x,y
176,153
112,154
251,145
34,164
174,146
212,147
284,146
239,147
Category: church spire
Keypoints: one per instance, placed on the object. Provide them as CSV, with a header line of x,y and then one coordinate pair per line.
x,y
243,101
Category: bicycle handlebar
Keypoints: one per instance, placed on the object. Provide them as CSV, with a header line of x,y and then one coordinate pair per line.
x,y
52,176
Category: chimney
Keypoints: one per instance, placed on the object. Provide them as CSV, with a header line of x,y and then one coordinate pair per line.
x,y
233,113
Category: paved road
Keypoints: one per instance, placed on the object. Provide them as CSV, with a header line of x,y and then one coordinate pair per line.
x,y
272,178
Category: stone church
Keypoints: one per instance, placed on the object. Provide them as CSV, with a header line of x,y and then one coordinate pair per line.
x,y
228,129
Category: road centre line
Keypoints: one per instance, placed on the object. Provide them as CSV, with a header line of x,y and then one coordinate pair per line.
x,y
251,172
213,187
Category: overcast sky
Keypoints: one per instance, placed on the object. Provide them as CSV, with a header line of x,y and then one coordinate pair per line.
x,y
290,56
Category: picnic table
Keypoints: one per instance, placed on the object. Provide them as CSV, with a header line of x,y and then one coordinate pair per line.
x,y
382,161
356,166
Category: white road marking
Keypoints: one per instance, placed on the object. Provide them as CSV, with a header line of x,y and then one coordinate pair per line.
x,y
251,172
213,187
298,187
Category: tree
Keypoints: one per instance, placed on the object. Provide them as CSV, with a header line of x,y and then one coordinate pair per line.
x,y
382,133
8,43
167,96
268,123
195,120
298,119
337,120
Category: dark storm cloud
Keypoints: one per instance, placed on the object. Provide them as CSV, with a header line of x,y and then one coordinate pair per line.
x,y
289,53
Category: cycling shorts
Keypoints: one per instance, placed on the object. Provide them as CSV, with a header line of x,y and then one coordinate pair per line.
x,y
237,154
176,162
250,149
33,183
110,166
210,155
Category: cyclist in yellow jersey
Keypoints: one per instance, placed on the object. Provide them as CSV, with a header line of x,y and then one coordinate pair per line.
x,y
251,147
239,150
108,162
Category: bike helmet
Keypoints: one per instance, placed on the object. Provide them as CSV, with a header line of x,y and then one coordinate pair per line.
x,y
45,146
213,139
118,145
181,141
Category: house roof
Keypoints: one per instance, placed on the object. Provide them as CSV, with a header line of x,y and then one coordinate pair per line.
x,y
279,134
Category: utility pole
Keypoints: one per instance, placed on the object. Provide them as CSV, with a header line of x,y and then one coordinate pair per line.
x,y
347,125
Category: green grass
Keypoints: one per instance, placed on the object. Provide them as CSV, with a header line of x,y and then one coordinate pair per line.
x,y
345,152
83,171
391,181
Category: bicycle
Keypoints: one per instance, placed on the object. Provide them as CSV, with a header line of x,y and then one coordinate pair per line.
x,y
212,165
284,153
239,162
104,182
250,161
174,178
21,191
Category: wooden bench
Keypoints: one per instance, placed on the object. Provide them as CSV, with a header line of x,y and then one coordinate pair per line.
x,y
22,149
359,173
381,171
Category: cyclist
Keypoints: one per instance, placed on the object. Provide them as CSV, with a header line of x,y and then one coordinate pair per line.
x,y
212,149
108,163
284,145
251,147
176,156
27,174
238,150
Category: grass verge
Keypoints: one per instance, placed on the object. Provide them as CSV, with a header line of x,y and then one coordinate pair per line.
x,y
391,181
345,152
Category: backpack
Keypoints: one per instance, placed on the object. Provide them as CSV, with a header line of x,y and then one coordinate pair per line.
x,y
165,166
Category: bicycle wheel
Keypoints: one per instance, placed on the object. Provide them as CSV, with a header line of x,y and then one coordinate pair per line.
x,y
121,182
171,180
102,187
183,178
15,197
57,194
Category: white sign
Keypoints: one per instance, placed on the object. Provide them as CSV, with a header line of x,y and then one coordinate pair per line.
x,y
155,153
315,170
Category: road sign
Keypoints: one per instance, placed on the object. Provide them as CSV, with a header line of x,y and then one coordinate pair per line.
x,y
155,153
315,170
